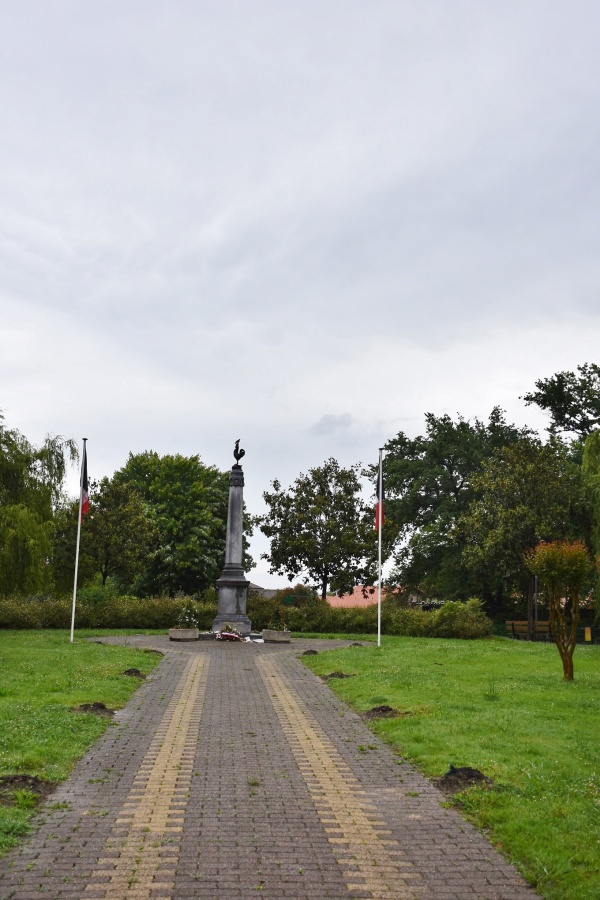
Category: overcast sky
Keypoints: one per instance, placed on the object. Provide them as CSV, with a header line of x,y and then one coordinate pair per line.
x,y
302,223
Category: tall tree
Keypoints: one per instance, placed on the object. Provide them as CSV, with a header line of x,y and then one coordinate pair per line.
x,y
591,479
187,503
118,538
321,529
526,493
31,480
571,399
429,484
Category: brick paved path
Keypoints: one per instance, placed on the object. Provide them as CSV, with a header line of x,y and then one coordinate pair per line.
x,y
234,773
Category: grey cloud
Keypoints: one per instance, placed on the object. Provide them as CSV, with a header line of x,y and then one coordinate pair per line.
x,y
221,219
330,424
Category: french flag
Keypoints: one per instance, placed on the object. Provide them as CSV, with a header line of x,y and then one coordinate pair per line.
x,y
379,513
85,492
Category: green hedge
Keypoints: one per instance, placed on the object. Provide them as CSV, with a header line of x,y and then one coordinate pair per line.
x,y
453,619
121,612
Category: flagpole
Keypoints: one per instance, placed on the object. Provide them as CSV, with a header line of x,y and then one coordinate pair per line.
x,y
380,520
78,537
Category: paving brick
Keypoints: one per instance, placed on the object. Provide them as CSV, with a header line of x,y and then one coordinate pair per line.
x,y
234,772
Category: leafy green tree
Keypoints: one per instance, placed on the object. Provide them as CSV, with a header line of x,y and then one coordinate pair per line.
x,y
187,504
297,596
564,570
591,479
25,545
573,400
321,529
118,538
526,493
429,485
31,480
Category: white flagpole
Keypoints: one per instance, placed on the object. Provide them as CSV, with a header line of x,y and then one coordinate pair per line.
x,y
379,522
78,537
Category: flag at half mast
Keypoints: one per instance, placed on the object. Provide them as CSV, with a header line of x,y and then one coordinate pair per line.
x,y
379,511
85,492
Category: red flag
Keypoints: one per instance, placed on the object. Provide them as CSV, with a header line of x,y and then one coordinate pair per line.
x,y
85,494
379,511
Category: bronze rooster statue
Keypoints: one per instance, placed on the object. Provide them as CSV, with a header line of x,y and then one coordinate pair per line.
x,y
237,452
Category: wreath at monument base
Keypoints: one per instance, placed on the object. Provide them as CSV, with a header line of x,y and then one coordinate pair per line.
x,y
229,633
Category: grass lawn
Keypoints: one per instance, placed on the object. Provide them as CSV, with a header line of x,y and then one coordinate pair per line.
x,y
42,676
334,636
499,706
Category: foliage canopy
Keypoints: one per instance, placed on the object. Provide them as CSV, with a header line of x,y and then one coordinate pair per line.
x,y
186,502
31,480
572,400
321,529
429,485
118,538
525,493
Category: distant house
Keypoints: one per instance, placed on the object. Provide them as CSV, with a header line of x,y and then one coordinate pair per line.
x,y
355,599
413,597
264,592
408,597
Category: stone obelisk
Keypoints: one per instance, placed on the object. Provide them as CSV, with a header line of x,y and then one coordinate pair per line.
x,y
232,586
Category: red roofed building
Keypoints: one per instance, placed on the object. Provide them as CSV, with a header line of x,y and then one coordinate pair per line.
x,y
356,598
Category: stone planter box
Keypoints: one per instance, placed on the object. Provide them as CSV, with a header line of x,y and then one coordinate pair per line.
x,y
276,637
183,634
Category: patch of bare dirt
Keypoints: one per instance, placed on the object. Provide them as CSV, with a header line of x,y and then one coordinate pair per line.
x,y
11,783
97,708
381,712
135,673
310,653
460,778
336,675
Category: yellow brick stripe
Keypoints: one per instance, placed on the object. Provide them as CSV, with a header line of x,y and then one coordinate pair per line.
x,y
370,860
156,802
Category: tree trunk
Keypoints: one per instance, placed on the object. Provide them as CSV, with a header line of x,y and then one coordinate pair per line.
x,y
530,623
565,644
568,666
324,581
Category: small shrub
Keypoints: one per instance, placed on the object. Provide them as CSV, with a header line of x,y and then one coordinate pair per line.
x,y
461,620
187,616
98,593
261,610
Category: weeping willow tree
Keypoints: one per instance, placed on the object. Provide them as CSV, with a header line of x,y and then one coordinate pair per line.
x,y
591,477
31,480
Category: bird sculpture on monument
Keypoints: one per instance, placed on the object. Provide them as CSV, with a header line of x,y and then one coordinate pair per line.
x,y
237,452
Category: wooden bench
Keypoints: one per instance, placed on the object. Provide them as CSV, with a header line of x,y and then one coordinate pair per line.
x,y
519,630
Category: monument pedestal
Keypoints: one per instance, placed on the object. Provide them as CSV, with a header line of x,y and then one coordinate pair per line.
x,y
232,586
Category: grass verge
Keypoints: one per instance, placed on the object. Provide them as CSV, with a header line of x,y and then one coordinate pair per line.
x,y
499,706
42,676
334,636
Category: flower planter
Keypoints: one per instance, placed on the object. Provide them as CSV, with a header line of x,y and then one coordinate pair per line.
x,y
276,637
183,634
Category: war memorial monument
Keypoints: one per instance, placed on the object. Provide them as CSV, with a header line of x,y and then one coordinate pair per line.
x,y
232,586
